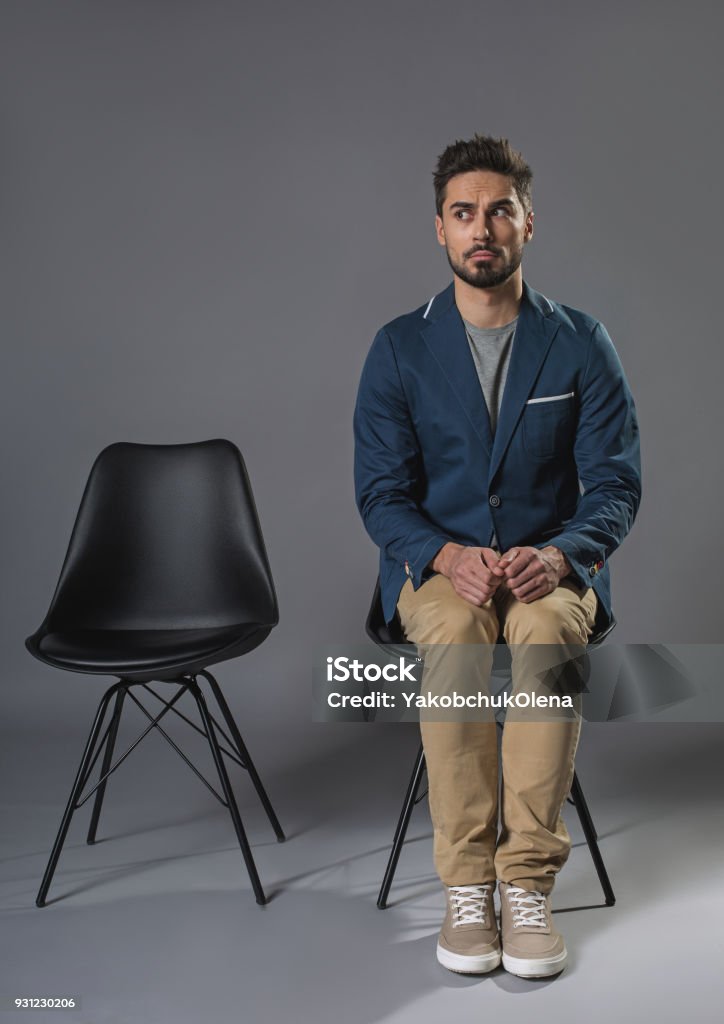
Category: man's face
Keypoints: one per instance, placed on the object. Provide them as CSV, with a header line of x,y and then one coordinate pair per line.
x,y
483,227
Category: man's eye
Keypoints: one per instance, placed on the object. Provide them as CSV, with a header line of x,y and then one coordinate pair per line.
x,y
460,214
501,209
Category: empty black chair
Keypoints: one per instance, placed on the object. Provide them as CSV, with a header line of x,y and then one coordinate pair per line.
x,y
166,574
391,637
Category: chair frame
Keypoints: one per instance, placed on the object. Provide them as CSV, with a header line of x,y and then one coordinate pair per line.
x,y
210,726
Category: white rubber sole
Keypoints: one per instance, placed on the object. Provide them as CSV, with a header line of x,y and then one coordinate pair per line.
x,y
539,968
468,964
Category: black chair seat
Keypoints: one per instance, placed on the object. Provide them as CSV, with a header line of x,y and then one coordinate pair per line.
x,y
127,652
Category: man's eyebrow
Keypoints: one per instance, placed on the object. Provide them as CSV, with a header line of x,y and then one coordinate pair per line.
x,y
463,205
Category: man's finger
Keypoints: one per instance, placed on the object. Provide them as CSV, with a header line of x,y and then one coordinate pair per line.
x,y
517,565
474,569
475,575
513,561
492,561
530,587
528,572
481,593
476,599
479,578
472,591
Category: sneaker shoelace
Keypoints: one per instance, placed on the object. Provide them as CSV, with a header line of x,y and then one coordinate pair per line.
x,y
528,907
469,903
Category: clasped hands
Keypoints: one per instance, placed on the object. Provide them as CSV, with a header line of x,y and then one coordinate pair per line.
x,y
476,573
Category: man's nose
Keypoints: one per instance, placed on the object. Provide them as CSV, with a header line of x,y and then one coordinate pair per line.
x,y
482,227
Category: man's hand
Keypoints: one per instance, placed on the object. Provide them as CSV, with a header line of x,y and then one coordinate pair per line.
x,y
531,573
474,572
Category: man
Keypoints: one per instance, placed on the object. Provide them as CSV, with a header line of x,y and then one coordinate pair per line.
x,y
497,468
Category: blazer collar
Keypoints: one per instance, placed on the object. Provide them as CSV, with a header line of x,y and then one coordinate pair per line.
x,y
445,335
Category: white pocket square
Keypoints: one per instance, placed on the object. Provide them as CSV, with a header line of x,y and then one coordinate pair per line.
x,y
550,398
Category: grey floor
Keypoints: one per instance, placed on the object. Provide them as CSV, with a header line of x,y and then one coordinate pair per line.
x,y
157,922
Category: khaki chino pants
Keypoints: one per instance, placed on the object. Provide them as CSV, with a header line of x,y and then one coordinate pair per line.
x,y
538,749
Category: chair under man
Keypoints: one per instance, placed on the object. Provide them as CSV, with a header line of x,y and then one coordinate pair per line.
x,y
391,638
166,573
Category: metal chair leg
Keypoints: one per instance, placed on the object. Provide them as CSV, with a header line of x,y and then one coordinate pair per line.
x,y
570,799
228,792
401,830
244,754
107,758
80,781
589,832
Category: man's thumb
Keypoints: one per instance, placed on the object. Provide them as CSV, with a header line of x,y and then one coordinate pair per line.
x,y
491,560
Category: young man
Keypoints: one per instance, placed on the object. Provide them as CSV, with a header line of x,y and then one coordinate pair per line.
x,y
497,468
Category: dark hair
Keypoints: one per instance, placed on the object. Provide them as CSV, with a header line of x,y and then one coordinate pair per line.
x,y
482,153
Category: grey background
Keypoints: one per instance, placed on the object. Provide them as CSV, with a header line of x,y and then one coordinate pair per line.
x,y
207,211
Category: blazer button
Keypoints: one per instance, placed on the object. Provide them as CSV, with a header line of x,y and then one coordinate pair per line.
x,y
494,500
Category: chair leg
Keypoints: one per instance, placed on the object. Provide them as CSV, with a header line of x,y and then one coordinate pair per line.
x,y
244,753
582,803
80,781
589,832
401,830
107,759
228,792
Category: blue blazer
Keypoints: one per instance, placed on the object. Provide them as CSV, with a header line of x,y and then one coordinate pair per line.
x,y
564,467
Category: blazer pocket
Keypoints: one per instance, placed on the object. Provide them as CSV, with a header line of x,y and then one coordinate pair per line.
x,y
548,425
550,398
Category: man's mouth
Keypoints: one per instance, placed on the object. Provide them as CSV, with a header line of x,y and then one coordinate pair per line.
x,y
483,254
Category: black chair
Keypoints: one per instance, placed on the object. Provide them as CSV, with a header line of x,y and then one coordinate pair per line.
x,y
391,638
166,573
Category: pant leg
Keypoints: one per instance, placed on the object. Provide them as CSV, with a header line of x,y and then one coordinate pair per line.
x,y
457,640
538,755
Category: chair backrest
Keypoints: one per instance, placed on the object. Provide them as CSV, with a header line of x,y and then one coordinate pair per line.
x,y
166,537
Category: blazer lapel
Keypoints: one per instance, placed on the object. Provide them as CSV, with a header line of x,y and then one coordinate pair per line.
x,y
534,334
448,341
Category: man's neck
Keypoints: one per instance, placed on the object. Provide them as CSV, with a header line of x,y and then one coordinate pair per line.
x,y
489,307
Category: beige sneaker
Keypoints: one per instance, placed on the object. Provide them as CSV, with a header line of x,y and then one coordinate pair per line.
x,y
532,947
469,941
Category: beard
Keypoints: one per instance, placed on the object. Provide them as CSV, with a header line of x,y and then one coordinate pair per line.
x,y
482,275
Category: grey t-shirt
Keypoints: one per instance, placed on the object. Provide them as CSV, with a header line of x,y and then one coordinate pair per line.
x,y
491,348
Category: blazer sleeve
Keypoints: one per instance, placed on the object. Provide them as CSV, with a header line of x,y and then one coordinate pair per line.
x,y
388,465
608,461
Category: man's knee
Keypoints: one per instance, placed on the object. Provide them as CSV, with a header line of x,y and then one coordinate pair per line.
x,y
465,623
559,617
454,622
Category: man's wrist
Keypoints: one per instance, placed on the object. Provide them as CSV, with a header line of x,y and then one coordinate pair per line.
x,y
563,565
441,562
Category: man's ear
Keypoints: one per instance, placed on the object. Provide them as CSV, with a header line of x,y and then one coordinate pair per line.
x,y
529,226
439,229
